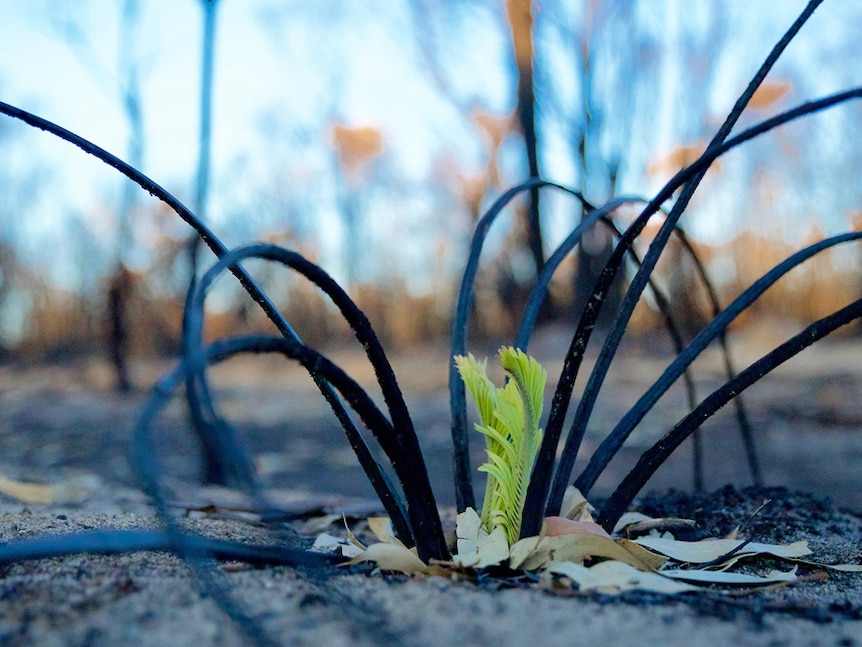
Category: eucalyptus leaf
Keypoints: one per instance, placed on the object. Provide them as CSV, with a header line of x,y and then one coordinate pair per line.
x,y
618,577
709,550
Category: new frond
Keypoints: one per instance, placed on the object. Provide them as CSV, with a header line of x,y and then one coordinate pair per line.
x,y
510,423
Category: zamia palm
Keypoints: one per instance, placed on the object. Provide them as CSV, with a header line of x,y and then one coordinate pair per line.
x,y
509,420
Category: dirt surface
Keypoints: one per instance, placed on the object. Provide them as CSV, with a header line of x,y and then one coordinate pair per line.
x,y
64,426
155,599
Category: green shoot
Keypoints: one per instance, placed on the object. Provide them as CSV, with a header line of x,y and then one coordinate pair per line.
x,y
509,420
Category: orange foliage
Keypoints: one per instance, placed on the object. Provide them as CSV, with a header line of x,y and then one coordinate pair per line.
x,y
818,287
677,159
520,15
356,146
770,93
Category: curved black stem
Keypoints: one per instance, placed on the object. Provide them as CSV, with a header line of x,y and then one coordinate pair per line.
x,y
689,178
114,541
539,292
612,443
179,541
679,344
537,490
145,456
639,281
653,458
227,458
398,439
185,214
742,420
211,240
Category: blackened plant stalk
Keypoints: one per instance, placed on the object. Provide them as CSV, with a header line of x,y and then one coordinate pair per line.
x,y
464,495
688,178
615,439
397,437
251,287
212,241
655,456
526,479
590,315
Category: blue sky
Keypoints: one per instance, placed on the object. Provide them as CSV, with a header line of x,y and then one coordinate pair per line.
x,y
271,62
257,71
254,72
270,65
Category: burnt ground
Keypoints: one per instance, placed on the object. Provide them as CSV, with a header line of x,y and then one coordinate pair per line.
x,y
64,425
806,418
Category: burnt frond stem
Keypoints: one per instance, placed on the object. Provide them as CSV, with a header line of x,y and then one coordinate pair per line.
x,y
539,292
146,456
209,238
537,492
653,458
115,541
179,541
229,441
615,439
640,279
206,235
742,420
689,178
227,458
397,439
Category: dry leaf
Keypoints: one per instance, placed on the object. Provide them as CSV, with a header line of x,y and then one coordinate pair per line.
x,y
627,519
391,557
616,577
27,492
534,553
635,523
326,543
732,579
351,537
467,525
476,547
651,559
575,506
709,550
487,550
382,529
318,524
847,568
73,490
553,526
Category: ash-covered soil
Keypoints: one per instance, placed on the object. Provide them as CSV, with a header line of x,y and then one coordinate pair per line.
x,y
64,426
155,599
806,418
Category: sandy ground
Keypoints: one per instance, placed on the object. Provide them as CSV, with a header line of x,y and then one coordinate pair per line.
x,y
62,424
154,599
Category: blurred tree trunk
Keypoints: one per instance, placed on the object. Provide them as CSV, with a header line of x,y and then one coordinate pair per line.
x,y
120,285
356,149
520,14
597,244
119,290
217,467
520,17
205,136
